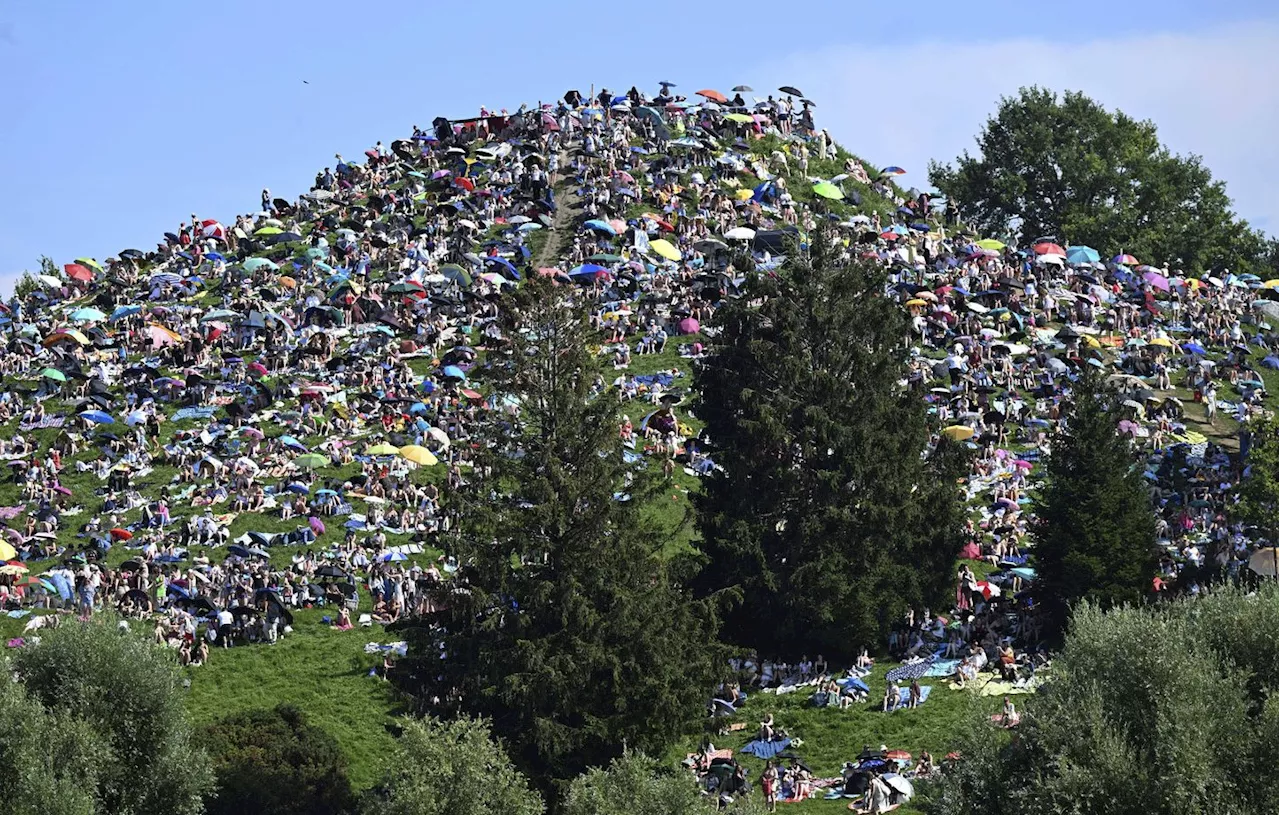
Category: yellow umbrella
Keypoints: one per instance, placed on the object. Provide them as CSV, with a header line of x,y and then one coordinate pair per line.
x,y
1091,342
1162,342
7,552
958,432
743,195
10,569
741,118
990,243
383,449
288,282
269,230
664,248
418,455
1272,284
916,301
90,262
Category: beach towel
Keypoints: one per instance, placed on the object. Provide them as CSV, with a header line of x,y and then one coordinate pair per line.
x,y
942,667
193,413
904,695
766,749
44,423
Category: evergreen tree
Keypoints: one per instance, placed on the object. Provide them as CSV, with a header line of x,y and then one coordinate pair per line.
x,y
827,522
563,626
1095,530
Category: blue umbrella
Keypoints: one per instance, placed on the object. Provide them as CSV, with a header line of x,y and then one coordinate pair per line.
x,y
300,489
1194,348
1082,254
600,226
454,372
586,268
498,261
97,416
290,441
125,311
393,557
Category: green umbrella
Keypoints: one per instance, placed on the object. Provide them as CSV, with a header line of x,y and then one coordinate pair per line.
x,y
310,461
828,190
253,264
315,253
606,258
219,314
54,374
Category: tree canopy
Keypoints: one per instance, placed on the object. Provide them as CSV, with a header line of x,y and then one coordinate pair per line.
x,y
275,762
1066,166
827,521
128,692
1168,708
564,625
450,768
1094,527
1259,497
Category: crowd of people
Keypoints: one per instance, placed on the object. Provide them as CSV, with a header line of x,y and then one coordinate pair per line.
x,y
161,399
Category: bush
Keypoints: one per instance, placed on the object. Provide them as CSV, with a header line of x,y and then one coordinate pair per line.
x,y
273,762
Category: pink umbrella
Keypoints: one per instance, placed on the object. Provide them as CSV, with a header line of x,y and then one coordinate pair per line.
x,y
618,225
689,326
1128,428
1023,465
258,368
1157,281
251,432
317,525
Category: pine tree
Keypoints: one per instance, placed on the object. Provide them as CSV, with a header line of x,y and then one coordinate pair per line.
x,y
827,522
564,627
1095,530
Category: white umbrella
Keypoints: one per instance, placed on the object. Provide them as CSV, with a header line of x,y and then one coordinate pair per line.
x,y
899,784
740,233
1263,562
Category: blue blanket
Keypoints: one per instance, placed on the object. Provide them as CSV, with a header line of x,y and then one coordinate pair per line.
x,y
904,695
854,682
766,749
193,413
943,667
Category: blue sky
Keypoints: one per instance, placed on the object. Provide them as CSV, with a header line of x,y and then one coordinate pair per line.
x,y
117,126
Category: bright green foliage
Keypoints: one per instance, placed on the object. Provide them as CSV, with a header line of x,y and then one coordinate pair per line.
x,y
1142,716
450,768
274,762
571,634
1071,168
636,783
1094,528
49,759
827,522
128,692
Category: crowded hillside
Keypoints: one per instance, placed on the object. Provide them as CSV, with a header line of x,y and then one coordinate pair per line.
x,y
639,451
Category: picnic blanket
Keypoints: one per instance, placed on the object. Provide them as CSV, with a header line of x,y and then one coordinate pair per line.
x,y
193,413
912,670
904,695
43,423
766,749
942,667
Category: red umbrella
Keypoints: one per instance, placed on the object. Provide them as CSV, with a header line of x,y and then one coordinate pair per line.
x,y
898,755
121,534
258,368
77,272
714,96
1049,248
466,183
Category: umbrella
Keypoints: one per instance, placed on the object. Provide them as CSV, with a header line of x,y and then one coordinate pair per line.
x,y
740,233
600,226
958,432
54,374
791,89
87,314
826,189
990,243
97,417
689,326
310,461
1124,260
418,455
1081,255
744,89
893,171
714,96
77,272
665,249
383,449
1263,562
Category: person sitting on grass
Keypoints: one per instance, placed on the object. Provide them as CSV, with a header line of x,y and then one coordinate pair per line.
x,y
892,694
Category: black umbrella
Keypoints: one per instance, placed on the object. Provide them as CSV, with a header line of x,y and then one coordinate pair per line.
x,y
791,89
330,571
